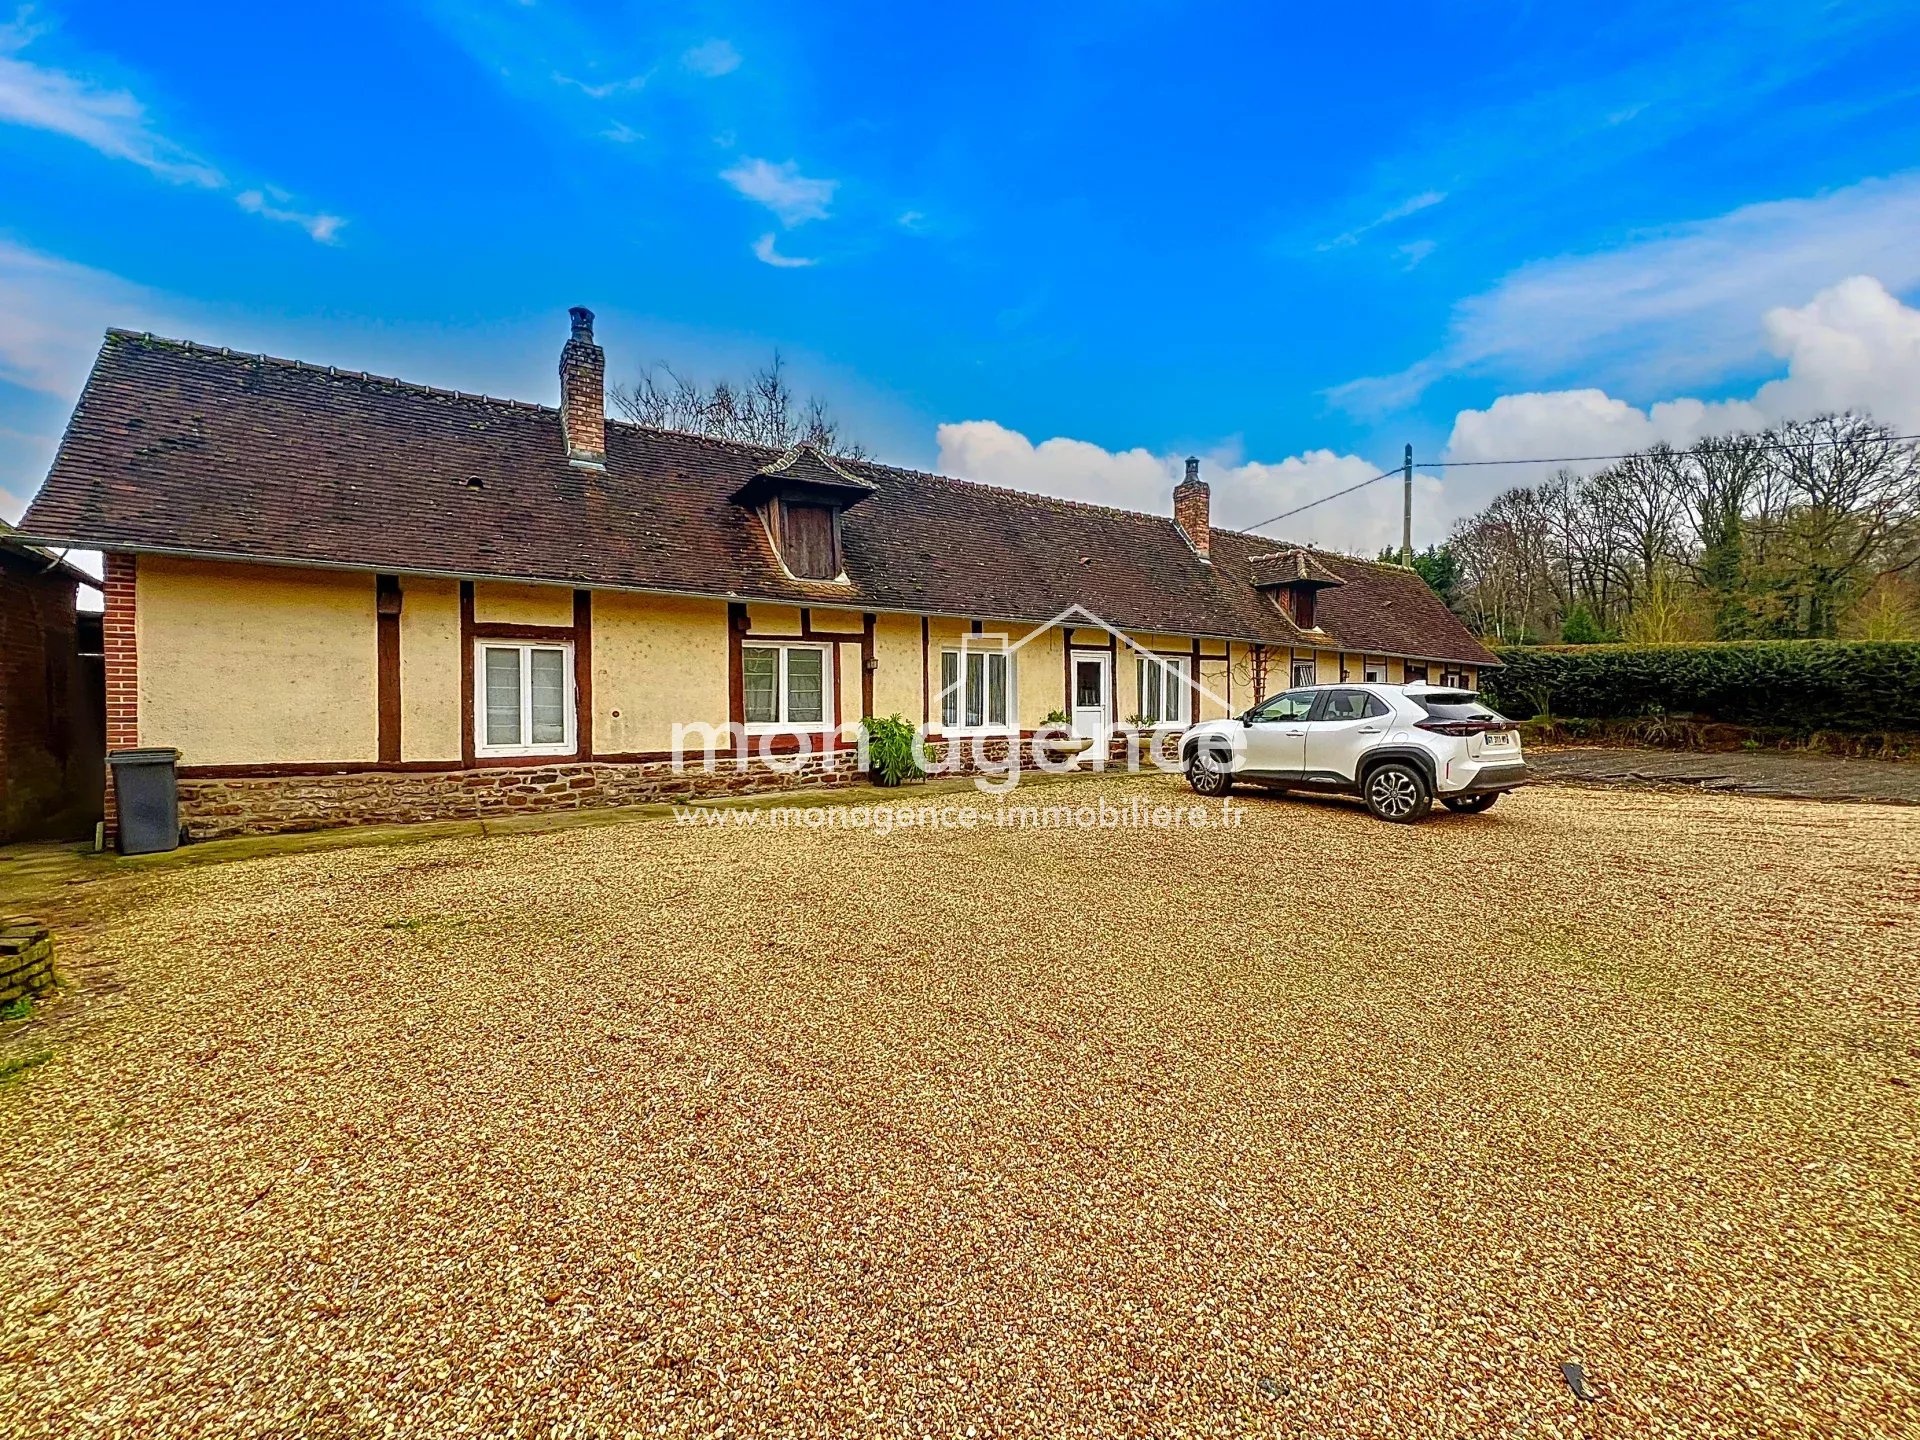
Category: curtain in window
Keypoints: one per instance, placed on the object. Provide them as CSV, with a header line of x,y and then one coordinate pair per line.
x,y
503,696
949,688
1150,673
761,669
549,707
977,696
1163,691
806,687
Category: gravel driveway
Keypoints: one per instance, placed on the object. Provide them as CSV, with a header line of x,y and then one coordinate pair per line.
x,y
1790,775
1315,1126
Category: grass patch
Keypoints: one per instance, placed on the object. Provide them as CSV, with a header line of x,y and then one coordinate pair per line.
x,y
17,1009
12,1070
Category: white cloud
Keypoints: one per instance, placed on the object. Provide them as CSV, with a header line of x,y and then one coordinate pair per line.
x,y
270,204
52,313
768,253
1244,492
603,89
116,124
1413,205
1679,306
622,133
792,197
1417,250
712,58
110,121
1853,346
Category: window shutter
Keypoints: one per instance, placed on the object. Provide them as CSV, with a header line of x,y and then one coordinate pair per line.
x,y
806,541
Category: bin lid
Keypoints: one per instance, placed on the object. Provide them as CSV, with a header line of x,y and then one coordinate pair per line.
x,y
159,755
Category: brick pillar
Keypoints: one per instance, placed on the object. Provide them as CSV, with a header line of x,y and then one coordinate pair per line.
x,y
122,671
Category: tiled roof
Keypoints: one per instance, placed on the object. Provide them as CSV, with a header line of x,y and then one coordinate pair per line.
x,y
184,448
28,558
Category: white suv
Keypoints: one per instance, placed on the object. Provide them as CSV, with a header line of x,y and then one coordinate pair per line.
x,y
1399,748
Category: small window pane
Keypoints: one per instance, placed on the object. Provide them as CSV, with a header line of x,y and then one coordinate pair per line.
x,y
976,690
1174,706
1086,684
949,688
549,671
503,696
761,669
806,690
996,690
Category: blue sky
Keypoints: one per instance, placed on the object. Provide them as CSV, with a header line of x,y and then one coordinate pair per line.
x,y
1056,251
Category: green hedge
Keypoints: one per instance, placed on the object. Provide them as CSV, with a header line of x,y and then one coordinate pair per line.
x,y
1801,685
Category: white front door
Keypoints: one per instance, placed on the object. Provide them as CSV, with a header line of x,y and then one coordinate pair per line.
x,y
1092,687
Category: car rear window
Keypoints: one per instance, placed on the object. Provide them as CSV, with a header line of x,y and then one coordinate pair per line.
x,y
1454,705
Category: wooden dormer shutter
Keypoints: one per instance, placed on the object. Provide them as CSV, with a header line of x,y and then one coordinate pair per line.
x,y
807,540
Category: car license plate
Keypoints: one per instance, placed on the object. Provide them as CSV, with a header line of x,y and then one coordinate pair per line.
x,y
1498,738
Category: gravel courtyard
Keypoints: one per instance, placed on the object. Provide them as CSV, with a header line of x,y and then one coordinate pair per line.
x,y
1312,1126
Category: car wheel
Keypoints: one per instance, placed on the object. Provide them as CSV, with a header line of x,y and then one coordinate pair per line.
x,y
1398,793
1473,804
1208,773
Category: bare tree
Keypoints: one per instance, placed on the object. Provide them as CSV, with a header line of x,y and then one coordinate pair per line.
x,y
1789,533
762,411
1854,503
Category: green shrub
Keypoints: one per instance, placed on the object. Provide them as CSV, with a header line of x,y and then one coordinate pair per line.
x,y
1797,685
890,757
1580,628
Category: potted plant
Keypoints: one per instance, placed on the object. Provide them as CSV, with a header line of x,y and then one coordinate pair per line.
x,y
890,757
1055,739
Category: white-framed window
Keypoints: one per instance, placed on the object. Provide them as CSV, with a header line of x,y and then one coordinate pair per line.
x,y
1305,672
1373,671
787,687
1163,690
1455,677
524,701
976,689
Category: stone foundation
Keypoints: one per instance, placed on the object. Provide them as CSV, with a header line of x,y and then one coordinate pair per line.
x,y
26,960
213,807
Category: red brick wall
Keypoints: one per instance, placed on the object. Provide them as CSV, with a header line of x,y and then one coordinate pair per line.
x,y
123,670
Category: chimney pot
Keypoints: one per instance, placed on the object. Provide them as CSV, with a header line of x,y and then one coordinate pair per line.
x,y
1190,509
583,394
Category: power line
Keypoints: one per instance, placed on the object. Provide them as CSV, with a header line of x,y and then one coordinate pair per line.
x,y
1543,460
1287,514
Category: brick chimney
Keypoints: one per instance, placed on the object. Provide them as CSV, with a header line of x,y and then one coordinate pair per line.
x,y
583,394
1190,506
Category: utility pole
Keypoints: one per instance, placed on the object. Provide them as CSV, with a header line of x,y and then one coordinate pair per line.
x,y
1406,513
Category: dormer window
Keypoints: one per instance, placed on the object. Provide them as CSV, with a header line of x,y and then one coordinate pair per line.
x,y
1294,579
800,498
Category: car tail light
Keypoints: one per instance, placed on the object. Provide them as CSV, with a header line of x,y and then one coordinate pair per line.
x,y
1451,727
